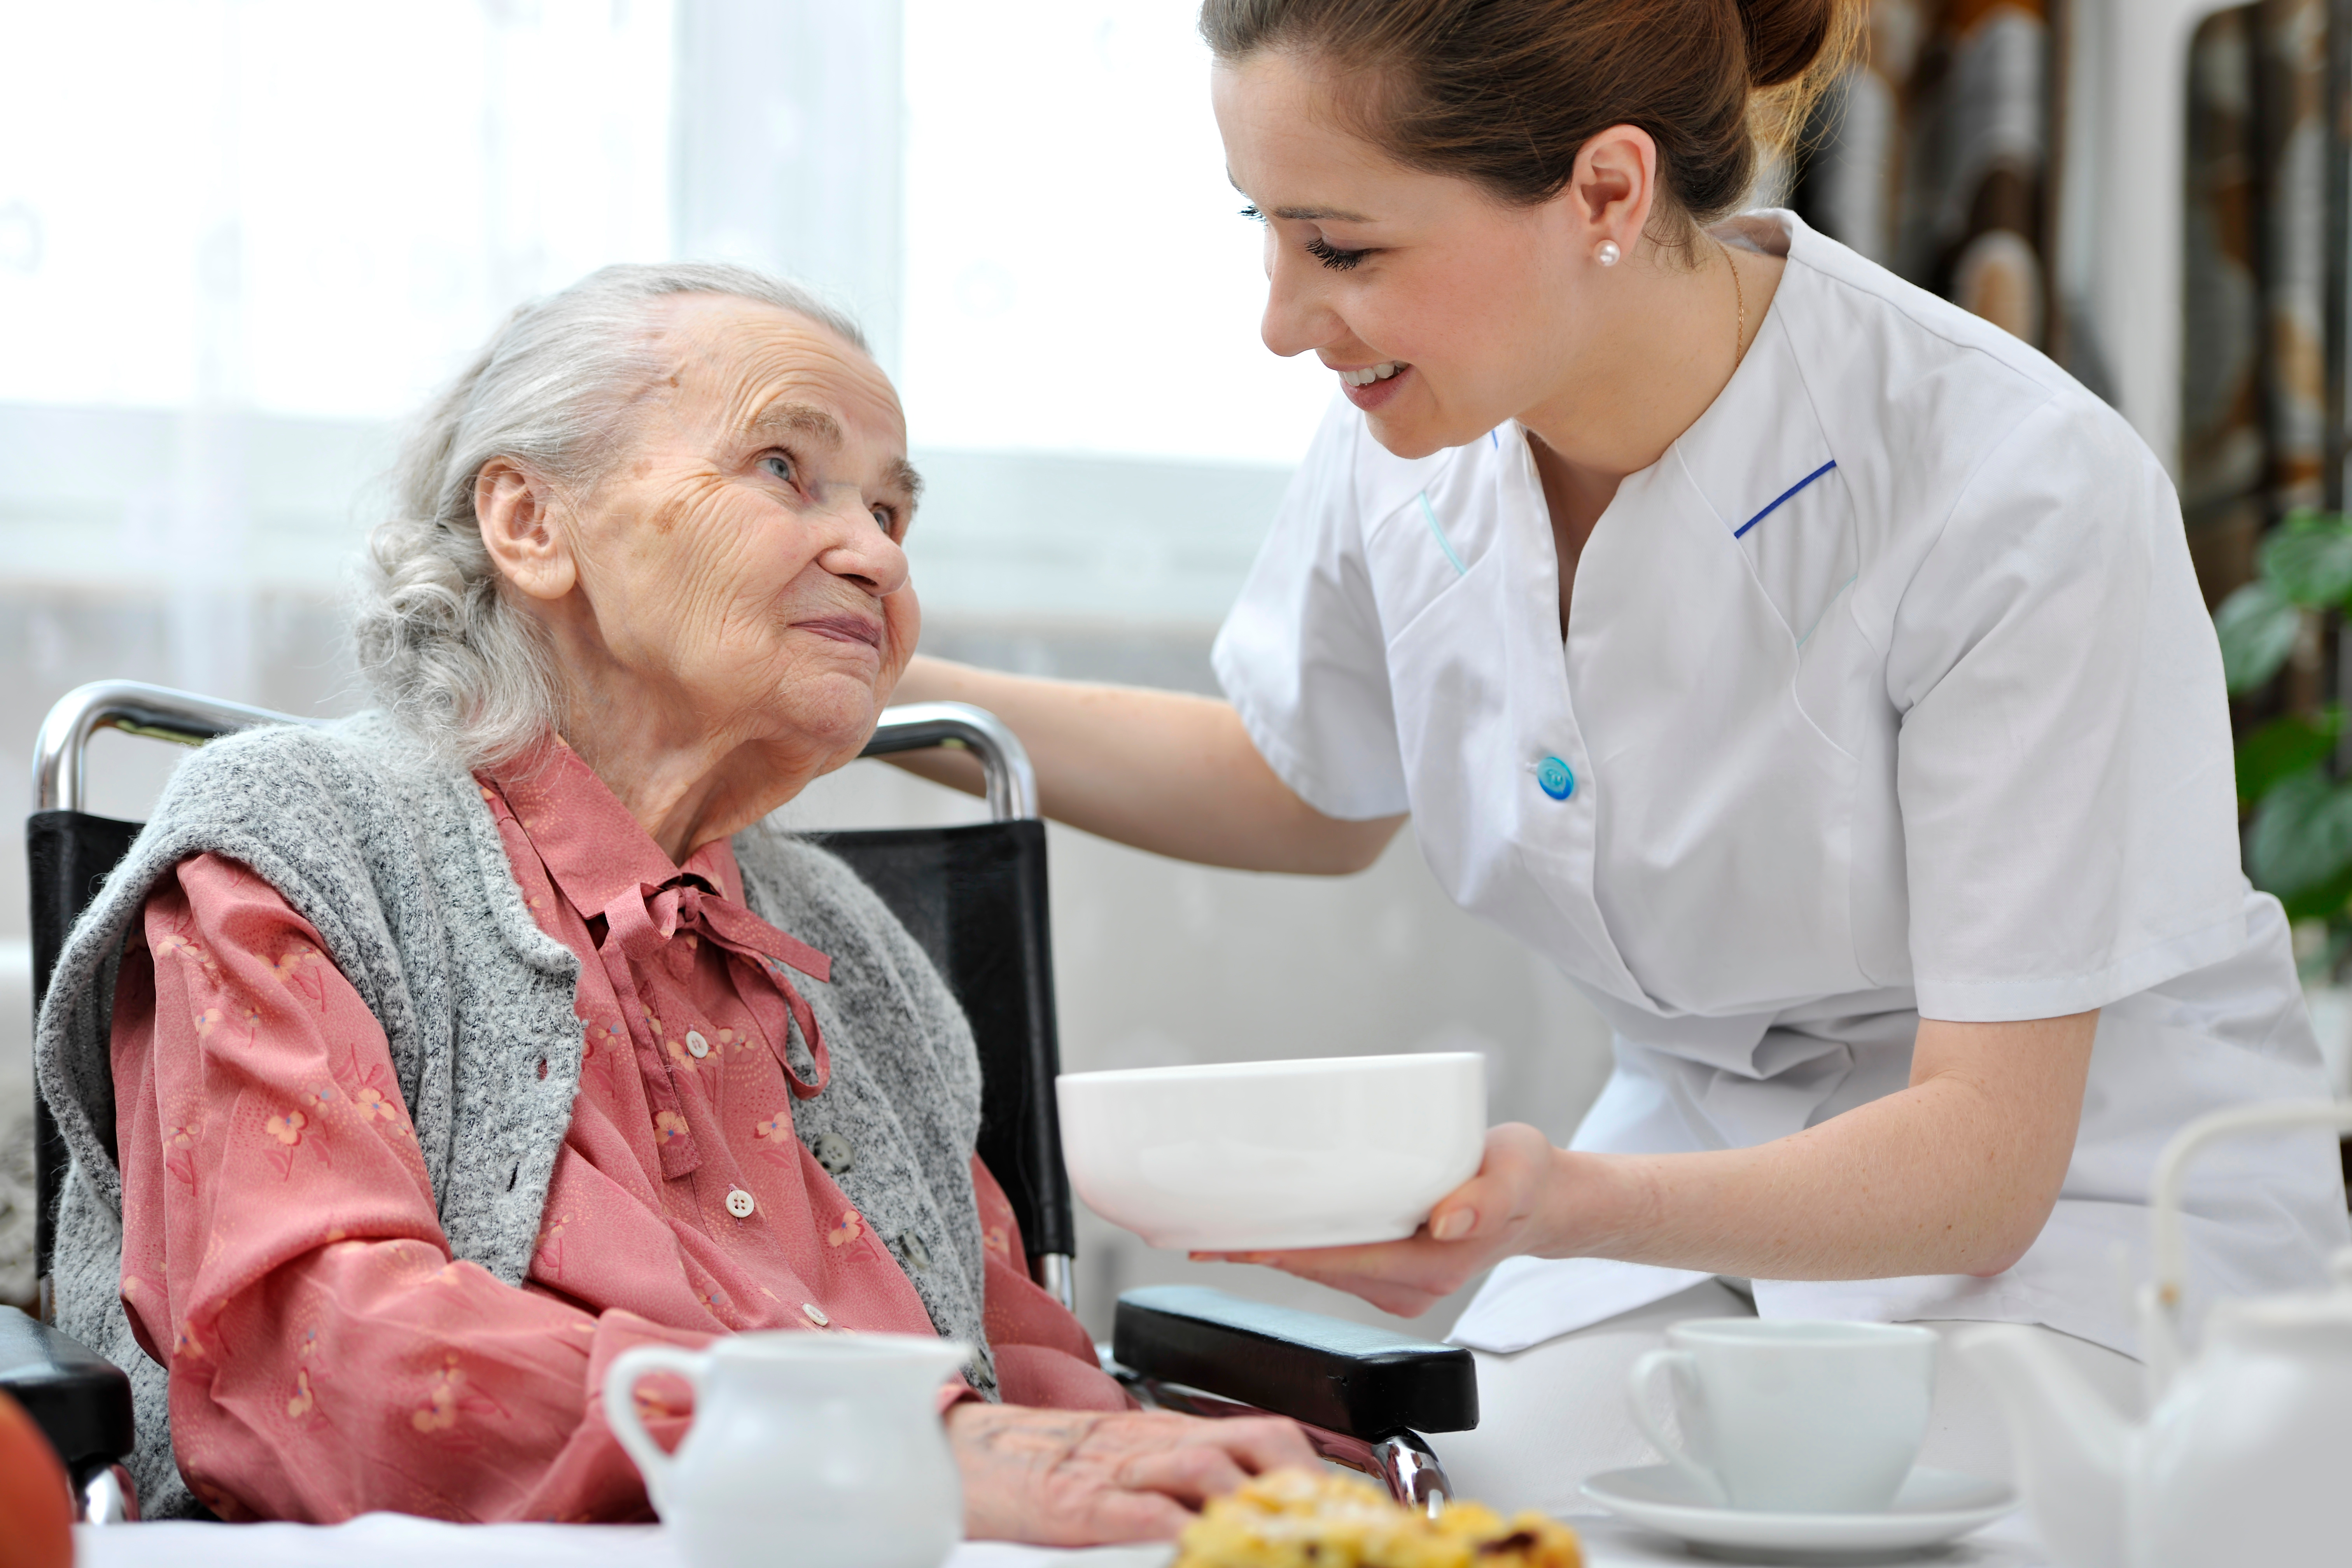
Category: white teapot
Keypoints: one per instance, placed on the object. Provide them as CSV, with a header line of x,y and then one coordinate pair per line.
x,y
823,1450
2247,1454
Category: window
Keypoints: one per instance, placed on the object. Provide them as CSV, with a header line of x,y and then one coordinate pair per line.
x,y
1079,279
224,278
310,210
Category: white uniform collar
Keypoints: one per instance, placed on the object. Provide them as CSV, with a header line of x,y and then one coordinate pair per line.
x,y
1762,440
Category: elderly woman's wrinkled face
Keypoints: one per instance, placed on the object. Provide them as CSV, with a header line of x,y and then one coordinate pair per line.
x,y
742,564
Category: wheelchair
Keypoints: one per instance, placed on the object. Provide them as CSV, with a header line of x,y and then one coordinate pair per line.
x,y
973,896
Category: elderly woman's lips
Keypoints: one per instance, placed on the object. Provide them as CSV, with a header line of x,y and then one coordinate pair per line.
x,y
847,628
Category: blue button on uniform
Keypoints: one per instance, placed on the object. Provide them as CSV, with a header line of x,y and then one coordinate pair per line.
x,y
1555,778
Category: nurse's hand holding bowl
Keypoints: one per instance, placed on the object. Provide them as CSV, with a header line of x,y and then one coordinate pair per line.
x,y
1814,672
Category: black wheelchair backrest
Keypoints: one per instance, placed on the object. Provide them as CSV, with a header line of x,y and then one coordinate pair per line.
x,y
972,896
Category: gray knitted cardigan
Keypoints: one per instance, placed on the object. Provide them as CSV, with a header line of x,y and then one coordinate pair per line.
x,y
397,862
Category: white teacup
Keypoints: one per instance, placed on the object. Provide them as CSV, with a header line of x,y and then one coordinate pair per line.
x,y
808,1451
1785,1417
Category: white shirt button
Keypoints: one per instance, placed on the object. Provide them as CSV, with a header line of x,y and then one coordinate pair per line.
x,y
815,1314
696,1044
740,1203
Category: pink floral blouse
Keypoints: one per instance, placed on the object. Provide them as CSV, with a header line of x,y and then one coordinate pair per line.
x,y
282,1254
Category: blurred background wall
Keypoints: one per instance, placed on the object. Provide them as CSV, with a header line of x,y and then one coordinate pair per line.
x,y
240,239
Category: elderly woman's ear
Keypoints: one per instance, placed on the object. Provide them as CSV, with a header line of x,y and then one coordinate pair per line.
x,y
518,516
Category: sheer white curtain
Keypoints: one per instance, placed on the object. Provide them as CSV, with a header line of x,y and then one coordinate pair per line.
x,y
238,239
1078,276
227,213
302,208
1106,435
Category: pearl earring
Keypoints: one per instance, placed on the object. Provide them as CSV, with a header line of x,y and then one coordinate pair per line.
x,y
1606,253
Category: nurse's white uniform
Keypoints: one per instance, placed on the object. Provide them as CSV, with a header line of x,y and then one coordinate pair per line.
x,y
1887,691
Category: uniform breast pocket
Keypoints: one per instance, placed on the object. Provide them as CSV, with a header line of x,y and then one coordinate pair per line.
x,y
1450,674
1434,539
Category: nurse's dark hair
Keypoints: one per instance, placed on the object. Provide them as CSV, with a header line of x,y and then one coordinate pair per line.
x,y
1506,92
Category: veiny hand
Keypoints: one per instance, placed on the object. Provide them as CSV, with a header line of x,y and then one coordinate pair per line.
x,y
1083,1478
1502,1211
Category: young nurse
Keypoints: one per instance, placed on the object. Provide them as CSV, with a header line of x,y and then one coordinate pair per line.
x,y
1811,671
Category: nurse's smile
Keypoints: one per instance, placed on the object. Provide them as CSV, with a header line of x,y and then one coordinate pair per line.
x,y
1370,387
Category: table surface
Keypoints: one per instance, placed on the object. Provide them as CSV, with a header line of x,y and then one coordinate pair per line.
x,y
399,1541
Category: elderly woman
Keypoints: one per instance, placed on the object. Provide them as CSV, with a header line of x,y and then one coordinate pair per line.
x,y
415,1067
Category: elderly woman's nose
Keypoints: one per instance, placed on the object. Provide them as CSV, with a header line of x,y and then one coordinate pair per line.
x,y
860,547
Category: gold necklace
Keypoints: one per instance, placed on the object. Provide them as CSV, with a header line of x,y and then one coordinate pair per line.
x,y
1739,328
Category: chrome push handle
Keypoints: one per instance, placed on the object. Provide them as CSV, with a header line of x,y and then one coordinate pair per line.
x,y
60,756
1012,783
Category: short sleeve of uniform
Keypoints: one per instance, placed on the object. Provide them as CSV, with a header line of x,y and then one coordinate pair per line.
x,y
1302,657
2063,768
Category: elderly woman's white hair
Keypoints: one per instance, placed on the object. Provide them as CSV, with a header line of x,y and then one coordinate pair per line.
x,y
443,648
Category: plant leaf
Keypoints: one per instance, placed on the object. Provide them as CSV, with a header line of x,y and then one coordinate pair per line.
x,y
2301,843
2325,901
2257,627
2282,747
2308,558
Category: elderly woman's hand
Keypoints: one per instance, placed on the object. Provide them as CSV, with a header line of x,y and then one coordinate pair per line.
x,y
1081,1477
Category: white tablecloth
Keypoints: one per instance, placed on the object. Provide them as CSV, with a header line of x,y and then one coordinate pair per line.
x,y
399,1541
403,1541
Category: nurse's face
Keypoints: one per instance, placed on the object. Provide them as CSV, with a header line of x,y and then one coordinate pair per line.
x,y
1453,312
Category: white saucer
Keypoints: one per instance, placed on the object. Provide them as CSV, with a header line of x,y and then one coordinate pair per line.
x,y
1933,1507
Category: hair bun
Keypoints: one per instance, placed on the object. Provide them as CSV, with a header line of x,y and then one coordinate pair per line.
x,y
1784,37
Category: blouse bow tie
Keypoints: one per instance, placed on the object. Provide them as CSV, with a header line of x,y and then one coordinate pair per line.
x,y
640,921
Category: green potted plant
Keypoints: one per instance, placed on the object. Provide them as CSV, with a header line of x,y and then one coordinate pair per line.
x,y
2299,834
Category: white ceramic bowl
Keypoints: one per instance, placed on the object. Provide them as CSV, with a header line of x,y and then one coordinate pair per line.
x,y
1251,1156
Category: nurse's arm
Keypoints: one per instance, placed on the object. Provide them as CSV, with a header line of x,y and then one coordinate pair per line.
x,y
1955,1174
1163,771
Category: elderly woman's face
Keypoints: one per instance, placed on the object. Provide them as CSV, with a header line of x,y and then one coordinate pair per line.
x,y
743,565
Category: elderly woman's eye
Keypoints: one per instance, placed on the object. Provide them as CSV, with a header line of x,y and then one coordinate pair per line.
x,y
779,465
881,515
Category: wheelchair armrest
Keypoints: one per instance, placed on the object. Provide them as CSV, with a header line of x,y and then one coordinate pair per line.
x,y
1363,1381
79,1400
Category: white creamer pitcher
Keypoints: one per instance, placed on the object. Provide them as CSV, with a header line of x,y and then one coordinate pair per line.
x,y
806,1448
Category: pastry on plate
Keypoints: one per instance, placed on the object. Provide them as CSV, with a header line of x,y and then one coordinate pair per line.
x,y
1295,1518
